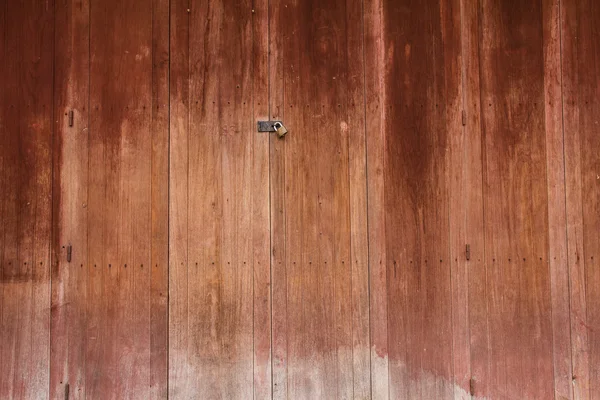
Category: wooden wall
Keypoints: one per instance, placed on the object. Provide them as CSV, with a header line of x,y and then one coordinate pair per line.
x,y
428,229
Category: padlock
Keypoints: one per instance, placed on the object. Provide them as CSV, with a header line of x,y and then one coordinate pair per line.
x,y
280,129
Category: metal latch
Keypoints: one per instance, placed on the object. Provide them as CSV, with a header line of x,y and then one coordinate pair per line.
x,y
272,126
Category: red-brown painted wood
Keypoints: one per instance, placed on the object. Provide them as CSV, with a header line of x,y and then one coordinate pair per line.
x,y
317,91
466,218
419,95
580,103
261,223
219,202
416,129
70,197
557,218
159,275
469,203
516,200
25,197
375,61
125,139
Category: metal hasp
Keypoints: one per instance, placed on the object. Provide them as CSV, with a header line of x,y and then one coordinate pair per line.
x,y
272,126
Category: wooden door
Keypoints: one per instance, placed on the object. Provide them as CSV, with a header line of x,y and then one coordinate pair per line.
x,y
110,200
26,54
318,201
219,325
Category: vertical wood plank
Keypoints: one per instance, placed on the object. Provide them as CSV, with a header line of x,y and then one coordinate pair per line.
x,y
26,156
159,271
219,191
318,90
471,213
416,96
357,169
261,229
178,198
516,200
469,330
557,223
278,211
4,181
120,207
70,196
375,97
580,104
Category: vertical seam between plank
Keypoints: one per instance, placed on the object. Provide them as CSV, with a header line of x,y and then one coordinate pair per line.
x,y
549,264
268,11
483,181
567,255
168,261
52,198
252,145
368,259
465,160
88,132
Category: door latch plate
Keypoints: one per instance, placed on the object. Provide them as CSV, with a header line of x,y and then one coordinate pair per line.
x,y
267,126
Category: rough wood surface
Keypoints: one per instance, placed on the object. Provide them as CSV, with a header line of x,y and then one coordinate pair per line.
x,y
557,218
219,202
581,136
516,200
154,244
27,31
374,58
123,142
422,95
70,197
315,295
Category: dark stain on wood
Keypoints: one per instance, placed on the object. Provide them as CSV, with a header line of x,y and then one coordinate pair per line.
x,y
128,188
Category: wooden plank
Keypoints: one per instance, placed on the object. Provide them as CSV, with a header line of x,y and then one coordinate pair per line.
x,y
261,229
357,169
178,199
555,167
213,201
469,181
580,88
4,182
26,130
375,59
515,200
313,178
159,265
423,82
278,208
118,360
466,216
70,196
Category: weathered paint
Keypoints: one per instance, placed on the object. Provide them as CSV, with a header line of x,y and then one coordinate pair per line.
x,y
210,260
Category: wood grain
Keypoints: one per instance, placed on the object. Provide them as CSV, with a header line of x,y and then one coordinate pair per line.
x,y
219,186
557,218
70,197
260,223
516,200
119,349
469,333
317,288
580,94
211,260
418,90
159,257
375,97
467,191
26,165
